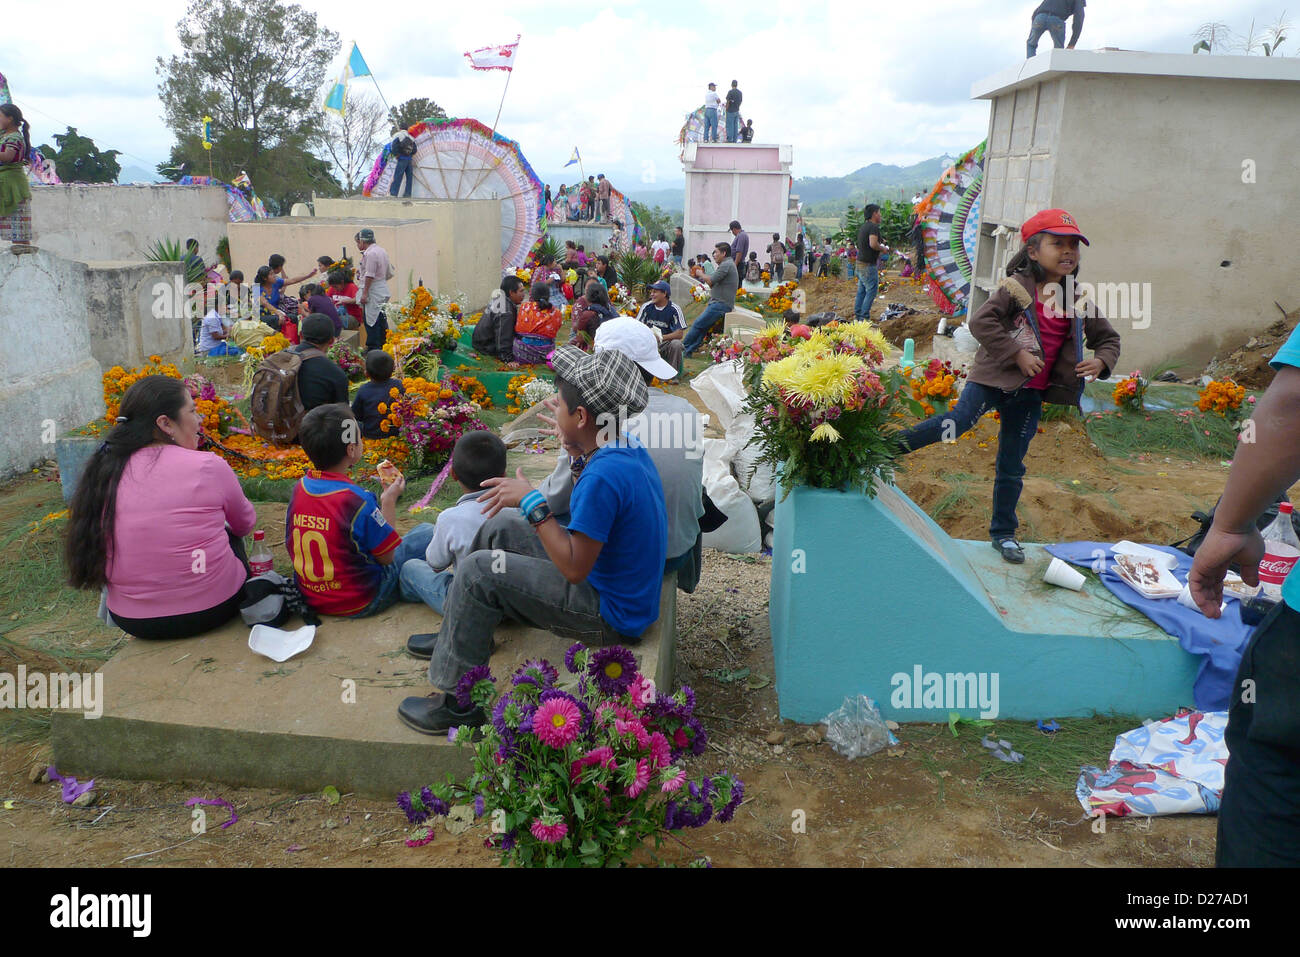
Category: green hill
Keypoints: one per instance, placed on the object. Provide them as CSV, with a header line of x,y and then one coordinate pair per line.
x,y
828,195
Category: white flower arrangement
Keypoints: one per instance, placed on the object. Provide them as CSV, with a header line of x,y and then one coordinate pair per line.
x,y
536,390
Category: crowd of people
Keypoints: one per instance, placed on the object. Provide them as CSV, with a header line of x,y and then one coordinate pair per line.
x,y
588,201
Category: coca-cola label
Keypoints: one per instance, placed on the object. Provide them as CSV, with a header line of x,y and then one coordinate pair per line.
x,y
1274,568
261,568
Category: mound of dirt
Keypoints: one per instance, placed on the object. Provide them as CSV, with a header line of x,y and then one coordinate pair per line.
x,y
1248,365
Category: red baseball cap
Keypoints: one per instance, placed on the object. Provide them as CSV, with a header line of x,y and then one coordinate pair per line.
x,y
1055,221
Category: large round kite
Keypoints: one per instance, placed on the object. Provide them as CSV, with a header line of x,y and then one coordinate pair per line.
x,y
463,159
950,221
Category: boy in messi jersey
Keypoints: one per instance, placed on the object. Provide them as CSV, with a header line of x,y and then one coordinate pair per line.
x,y
347,556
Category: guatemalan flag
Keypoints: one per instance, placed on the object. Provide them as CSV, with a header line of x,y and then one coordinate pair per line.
x,y
494,58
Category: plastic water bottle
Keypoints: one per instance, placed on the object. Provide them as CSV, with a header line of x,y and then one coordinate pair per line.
x,y
1281,549
260,560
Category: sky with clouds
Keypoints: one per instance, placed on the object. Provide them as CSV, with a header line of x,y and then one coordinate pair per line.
x,y
847,83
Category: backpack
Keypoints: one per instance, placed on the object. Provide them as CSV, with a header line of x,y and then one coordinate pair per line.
x,y
660,255
275,405
1193,542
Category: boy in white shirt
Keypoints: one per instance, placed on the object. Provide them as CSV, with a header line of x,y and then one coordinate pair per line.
x,y
478,456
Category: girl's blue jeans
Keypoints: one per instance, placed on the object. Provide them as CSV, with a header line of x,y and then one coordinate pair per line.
x,y
1020,411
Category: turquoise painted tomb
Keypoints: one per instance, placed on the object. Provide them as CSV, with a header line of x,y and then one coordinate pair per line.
x,y
870,596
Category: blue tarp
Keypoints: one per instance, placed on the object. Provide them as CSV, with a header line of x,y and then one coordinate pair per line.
x,y
1219,640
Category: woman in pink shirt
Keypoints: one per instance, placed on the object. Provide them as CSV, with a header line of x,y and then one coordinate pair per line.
x,y
157,524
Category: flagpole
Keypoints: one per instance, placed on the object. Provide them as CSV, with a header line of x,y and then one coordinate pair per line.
x,y
500,106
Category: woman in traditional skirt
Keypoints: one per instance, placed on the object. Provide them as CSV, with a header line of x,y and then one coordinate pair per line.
x,y
15,194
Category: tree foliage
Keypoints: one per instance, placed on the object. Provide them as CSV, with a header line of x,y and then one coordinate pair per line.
x,y
655,220
405,115
79,160
257,68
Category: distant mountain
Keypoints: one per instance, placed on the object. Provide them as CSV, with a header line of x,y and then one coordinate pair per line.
x,y
135,174
874,183
671,199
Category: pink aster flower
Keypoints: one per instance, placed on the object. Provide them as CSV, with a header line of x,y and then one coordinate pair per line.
x,y
643,692
633,727
660,751
642,778
549,833
604,756
556,722
672,780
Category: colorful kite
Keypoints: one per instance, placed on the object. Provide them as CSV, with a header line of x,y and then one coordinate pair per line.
x,y
950,221
243,208
463,159
692,130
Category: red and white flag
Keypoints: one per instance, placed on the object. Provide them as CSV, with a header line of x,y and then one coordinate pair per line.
x,y
494,58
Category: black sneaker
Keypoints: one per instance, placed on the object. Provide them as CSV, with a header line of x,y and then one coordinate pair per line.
x,y
1010,550
436,713
421,646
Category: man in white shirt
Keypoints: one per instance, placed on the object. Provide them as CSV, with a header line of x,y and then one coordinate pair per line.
x,y
376,270
711,104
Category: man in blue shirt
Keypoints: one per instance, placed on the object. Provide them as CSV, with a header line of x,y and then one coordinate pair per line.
x,y
1259,820
598,581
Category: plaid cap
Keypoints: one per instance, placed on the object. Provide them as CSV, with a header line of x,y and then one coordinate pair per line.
x,y
607,381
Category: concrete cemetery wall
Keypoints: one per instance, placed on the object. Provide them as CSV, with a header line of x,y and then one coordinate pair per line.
x,y
111,222
468,231
411,246
1176,170
49,380
136,310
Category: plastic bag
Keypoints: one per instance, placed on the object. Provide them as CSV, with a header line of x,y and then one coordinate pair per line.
x,y
740,534
857,728
723,391
964,340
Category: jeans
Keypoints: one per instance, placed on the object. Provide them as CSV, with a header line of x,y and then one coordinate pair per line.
x,y
710,125
1046,23
798,268
419,578
1259,819
868,283
377,333
677,260
1020,411
733,121
414,544
713,312
403,169
525,586
778,270
853,265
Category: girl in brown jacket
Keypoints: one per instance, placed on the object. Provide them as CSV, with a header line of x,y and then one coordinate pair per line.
x,y
1031,340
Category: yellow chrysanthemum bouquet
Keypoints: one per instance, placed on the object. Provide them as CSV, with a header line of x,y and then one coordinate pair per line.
x,y
823,413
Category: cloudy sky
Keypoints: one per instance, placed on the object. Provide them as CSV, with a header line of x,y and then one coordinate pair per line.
x,y
847,83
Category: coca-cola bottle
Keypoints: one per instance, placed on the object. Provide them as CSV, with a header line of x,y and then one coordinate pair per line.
x,y
1281,549
260,561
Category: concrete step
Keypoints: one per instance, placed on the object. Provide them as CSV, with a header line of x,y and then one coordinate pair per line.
x,y
208,709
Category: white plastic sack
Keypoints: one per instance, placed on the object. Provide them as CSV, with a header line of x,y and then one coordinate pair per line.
x,y
757,479
740,534
723,391
963,339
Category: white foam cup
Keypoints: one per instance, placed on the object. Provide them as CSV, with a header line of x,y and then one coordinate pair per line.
x,y
1064,574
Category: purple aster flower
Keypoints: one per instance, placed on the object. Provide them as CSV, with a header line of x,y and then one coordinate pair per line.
x,y
670,817
569,663
699,740
614,668
413,814
537,672
508,841
478,805
467,689
687,699
737,796
436,805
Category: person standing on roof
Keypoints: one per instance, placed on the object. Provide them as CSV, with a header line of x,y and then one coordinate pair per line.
x,y
1050,18
711,103
734,96
403,149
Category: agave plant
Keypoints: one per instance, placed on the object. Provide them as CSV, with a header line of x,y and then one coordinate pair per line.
x,y
173,251
636,272
547,246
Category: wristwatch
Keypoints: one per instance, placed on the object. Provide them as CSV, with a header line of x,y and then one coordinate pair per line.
x,y
534,507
